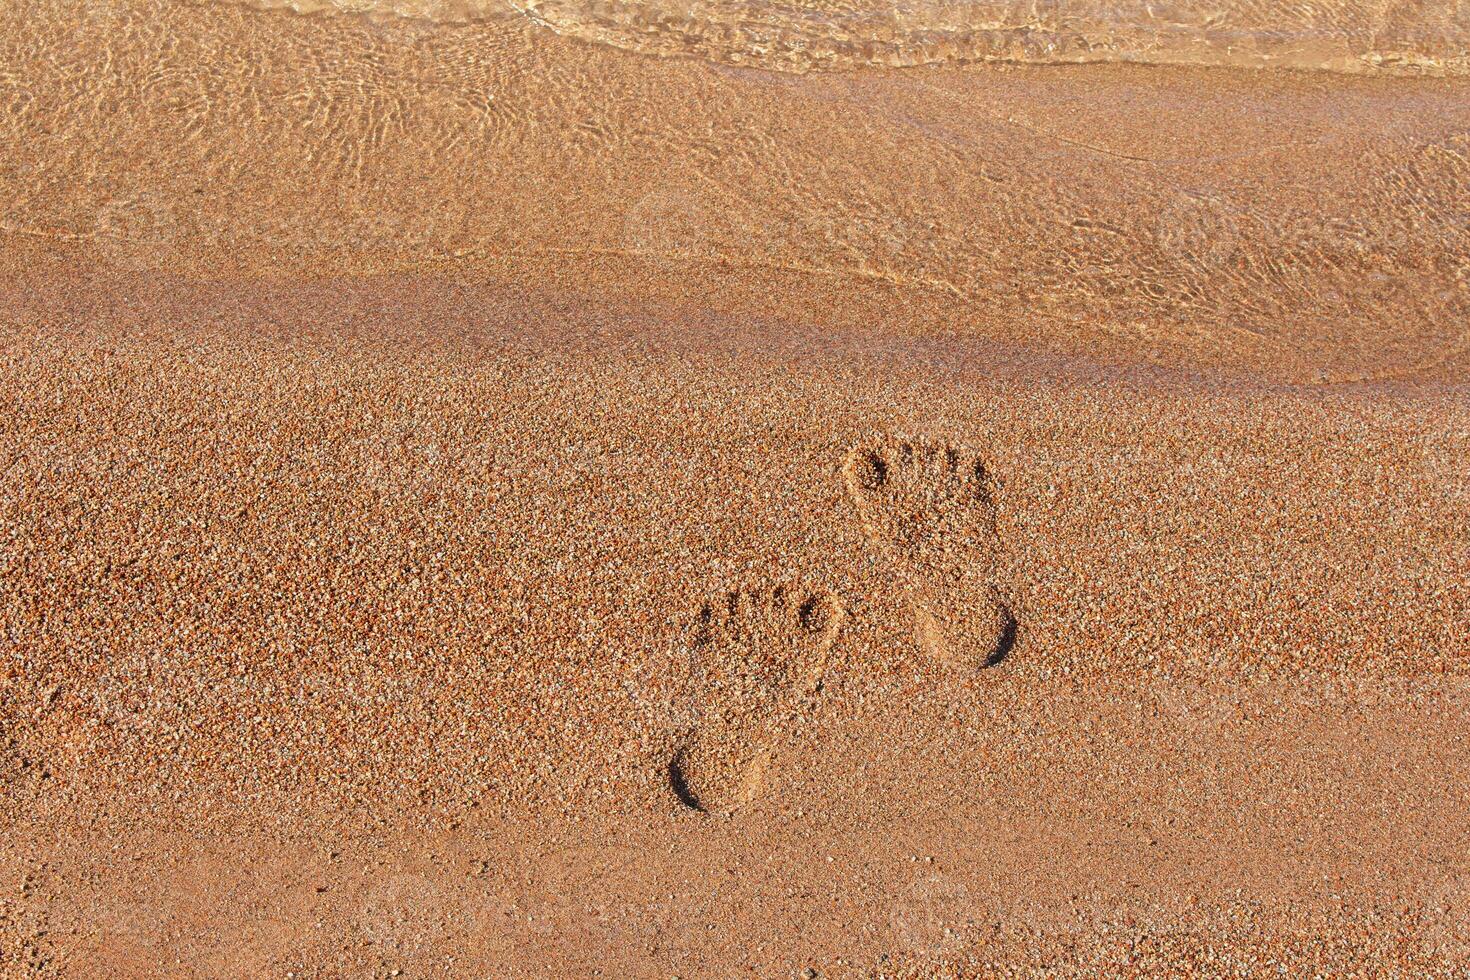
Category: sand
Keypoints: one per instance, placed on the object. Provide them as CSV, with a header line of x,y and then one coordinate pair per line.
x,y
478,502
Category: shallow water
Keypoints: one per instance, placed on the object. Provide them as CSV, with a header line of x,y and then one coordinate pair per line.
x,y
1424,36
1309,226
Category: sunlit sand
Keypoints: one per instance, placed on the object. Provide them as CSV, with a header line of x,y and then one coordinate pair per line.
x,y
828,489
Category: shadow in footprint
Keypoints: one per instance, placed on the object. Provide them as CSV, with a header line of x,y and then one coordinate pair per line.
x,y
679,786
1006,642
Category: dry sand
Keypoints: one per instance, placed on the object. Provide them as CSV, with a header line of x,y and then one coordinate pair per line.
x,y
479,503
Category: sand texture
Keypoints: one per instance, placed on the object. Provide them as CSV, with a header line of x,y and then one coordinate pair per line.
x,y
481,498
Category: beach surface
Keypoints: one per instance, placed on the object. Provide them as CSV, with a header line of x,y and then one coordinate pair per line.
x,y
502,494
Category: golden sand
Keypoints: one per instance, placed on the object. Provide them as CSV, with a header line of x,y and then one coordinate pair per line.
x,y
479,502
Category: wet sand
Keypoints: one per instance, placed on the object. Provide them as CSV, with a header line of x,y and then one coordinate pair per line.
x,y
481,503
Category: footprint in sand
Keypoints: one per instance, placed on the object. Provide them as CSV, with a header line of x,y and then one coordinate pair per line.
x,y
757,657
931,508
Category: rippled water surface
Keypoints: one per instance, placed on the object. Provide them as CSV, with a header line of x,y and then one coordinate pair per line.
x,y
1429,36
1314,225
